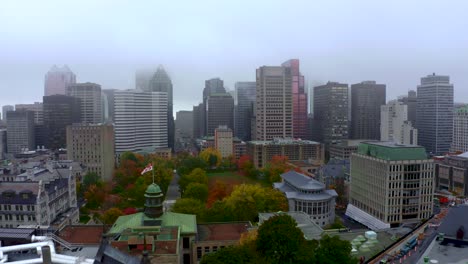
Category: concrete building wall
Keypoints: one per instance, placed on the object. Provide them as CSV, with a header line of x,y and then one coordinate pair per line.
x,y
224,141
92,145
20,131
90,101
460,130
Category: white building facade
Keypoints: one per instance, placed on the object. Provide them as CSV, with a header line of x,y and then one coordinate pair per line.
x,y
394,124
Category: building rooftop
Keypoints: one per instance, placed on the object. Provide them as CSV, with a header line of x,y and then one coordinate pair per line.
x,y
286,141
186,222
391,151
82,234
301,181
310,229
222,231
456,219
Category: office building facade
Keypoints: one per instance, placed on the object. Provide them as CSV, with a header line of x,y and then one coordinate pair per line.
x,y
161,82
224,141
93,146
57,79
366,99
395,126
273,106
60,111
198,121
5,110
108,105
219,112
246,94
452,174
90,101
140,120
184,123
331,112
391,184
3,143
411,100
299,99
20,131
435,114
460,130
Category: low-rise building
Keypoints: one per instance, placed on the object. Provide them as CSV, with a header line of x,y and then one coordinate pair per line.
x,y
295,150
452,174
345,149
310,196
391,184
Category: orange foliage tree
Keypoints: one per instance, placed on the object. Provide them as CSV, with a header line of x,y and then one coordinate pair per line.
x,y
277,166
217,193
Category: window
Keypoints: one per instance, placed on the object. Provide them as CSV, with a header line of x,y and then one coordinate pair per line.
x,y
186,242
207,249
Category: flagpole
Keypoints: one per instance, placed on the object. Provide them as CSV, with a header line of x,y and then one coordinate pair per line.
x,y
152,169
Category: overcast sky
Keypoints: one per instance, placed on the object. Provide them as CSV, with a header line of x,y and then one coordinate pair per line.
x,y
392,42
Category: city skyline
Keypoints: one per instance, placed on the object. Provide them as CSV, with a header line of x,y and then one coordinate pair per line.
x,y
361,43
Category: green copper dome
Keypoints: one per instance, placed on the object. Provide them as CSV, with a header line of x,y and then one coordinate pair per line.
x,y
153,189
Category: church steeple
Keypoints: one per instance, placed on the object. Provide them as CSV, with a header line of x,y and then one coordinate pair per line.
x,y
153,202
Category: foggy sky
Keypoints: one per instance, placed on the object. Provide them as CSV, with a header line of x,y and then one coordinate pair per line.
x,y
105,42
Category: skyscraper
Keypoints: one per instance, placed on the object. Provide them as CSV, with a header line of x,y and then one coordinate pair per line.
x,y
198,122
3,143
90,101
20,131
219,112
5,109
59,112
273,106
460,130
143,78
161,82
184,123
411,100
299,100
434,119
331,112
395,126
57,79
140,120
366,99
38,109
108,105
246,94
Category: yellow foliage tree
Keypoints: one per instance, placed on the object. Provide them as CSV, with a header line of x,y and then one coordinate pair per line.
x,y
211,156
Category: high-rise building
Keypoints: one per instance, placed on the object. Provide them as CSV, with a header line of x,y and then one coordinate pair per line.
x,y
108,105
246,94
161,82
391,184
143,78
460,130
93,146
90,101
37,108
59,112
224,141
140,120
219,112
299,99
411,100
184,123
212,86
198,122
366,99
3,143
395,126
331,112
57,79
273,106
5,109
20,131
434,119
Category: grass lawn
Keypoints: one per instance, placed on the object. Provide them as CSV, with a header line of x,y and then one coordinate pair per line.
x,y
230,178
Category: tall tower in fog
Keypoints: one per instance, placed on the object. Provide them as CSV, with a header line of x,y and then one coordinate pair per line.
x,y
57,79
90,101
434,114
161,82
273,106
299,99
366,99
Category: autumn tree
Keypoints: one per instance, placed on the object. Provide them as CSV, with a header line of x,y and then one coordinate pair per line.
x,y
111,215
247,200
218,192
94,197
211,156
197,175
277,166
246,166
197,191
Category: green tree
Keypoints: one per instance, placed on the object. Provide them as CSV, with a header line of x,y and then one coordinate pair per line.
x,y
128,156
334,250
279,240
197,191
211,156
219,212
187,164
189,206
91,178
197,175
233,255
